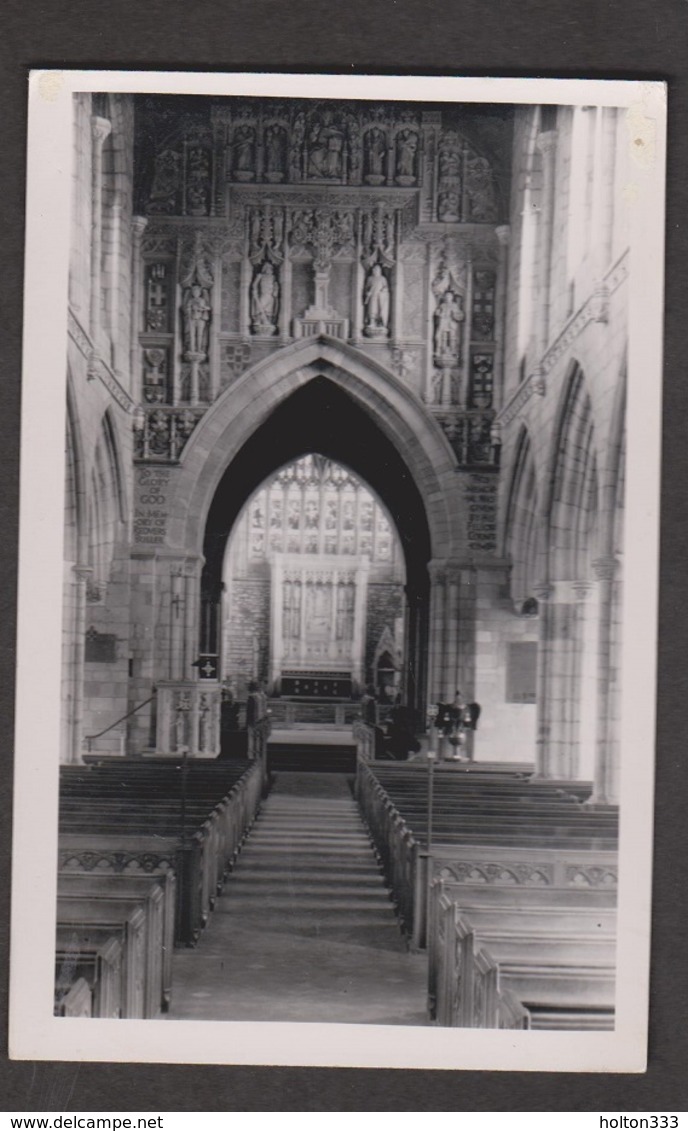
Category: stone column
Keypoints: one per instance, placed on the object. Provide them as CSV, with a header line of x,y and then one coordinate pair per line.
x,y
451,641
436,630
138,227
277,641
244,296
100,130
177,624
502,233
606,777
192,599
113,282
360,603
465,359
543,758
416,689
547,144
358,282
213,347
558,682
285,301
82,572
603,188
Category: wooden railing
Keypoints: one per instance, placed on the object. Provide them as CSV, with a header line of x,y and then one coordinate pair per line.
x,y
396,845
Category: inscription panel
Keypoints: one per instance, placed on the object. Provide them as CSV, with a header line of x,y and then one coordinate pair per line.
x,y
151,505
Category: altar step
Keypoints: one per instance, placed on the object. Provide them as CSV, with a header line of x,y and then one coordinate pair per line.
x,y
299,757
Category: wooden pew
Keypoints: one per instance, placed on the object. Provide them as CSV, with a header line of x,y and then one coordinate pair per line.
x,y
77,1001
125,921
114,836
98,961
88,886
555,948
469,994
524,830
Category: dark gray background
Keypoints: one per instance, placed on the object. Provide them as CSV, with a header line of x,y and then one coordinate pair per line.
x,y
555,38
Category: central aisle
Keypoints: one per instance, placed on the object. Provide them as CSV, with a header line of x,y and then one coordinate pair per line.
x,y
304,929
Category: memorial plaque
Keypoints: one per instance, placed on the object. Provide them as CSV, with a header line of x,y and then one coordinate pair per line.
x,y
521,672
101,647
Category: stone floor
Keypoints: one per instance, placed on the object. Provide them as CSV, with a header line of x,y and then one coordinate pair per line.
x,y
304,929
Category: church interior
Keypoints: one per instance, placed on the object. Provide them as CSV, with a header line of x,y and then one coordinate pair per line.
x,y
343,562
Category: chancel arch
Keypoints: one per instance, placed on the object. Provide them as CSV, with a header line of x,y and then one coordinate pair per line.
x,y
325,397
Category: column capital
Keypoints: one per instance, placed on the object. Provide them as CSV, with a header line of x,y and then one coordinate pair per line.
x,y
138,226
82,571
546,142
542,590
503,234
100,129
437,570
605,568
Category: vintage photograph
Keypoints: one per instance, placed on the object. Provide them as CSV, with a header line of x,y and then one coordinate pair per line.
x,y
348,401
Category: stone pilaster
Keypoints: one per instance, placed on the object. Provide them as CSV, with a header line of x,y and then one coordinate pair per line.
x,y
503,233
82,574
560,657
138,227
113,292
606,775
100,130
547,144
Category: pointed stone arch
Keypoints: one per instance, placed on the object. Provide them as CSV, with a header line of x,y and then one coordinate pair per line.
x,y
395,411
523,527
363,417
571,503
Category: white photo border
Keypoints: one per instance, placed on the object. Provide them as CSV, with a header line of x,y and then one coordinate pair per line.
x,y
34,1032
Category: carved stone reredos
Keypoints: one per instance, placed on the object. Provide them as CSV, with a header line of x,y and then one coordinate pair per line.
x,y
451,164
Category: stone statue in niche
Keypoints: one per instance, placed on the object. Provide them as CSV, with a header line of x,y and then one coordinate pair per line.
x,y
376,303
449,317
196,319
166,182
450,158
326,149
265,301
449,207
407,146
244,153
298,135
197,181
275,153
480,190
449,178
155,378
375,153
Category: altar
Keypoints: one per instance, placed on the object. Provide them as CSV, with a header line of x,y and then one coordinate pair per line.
x,y
317,621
